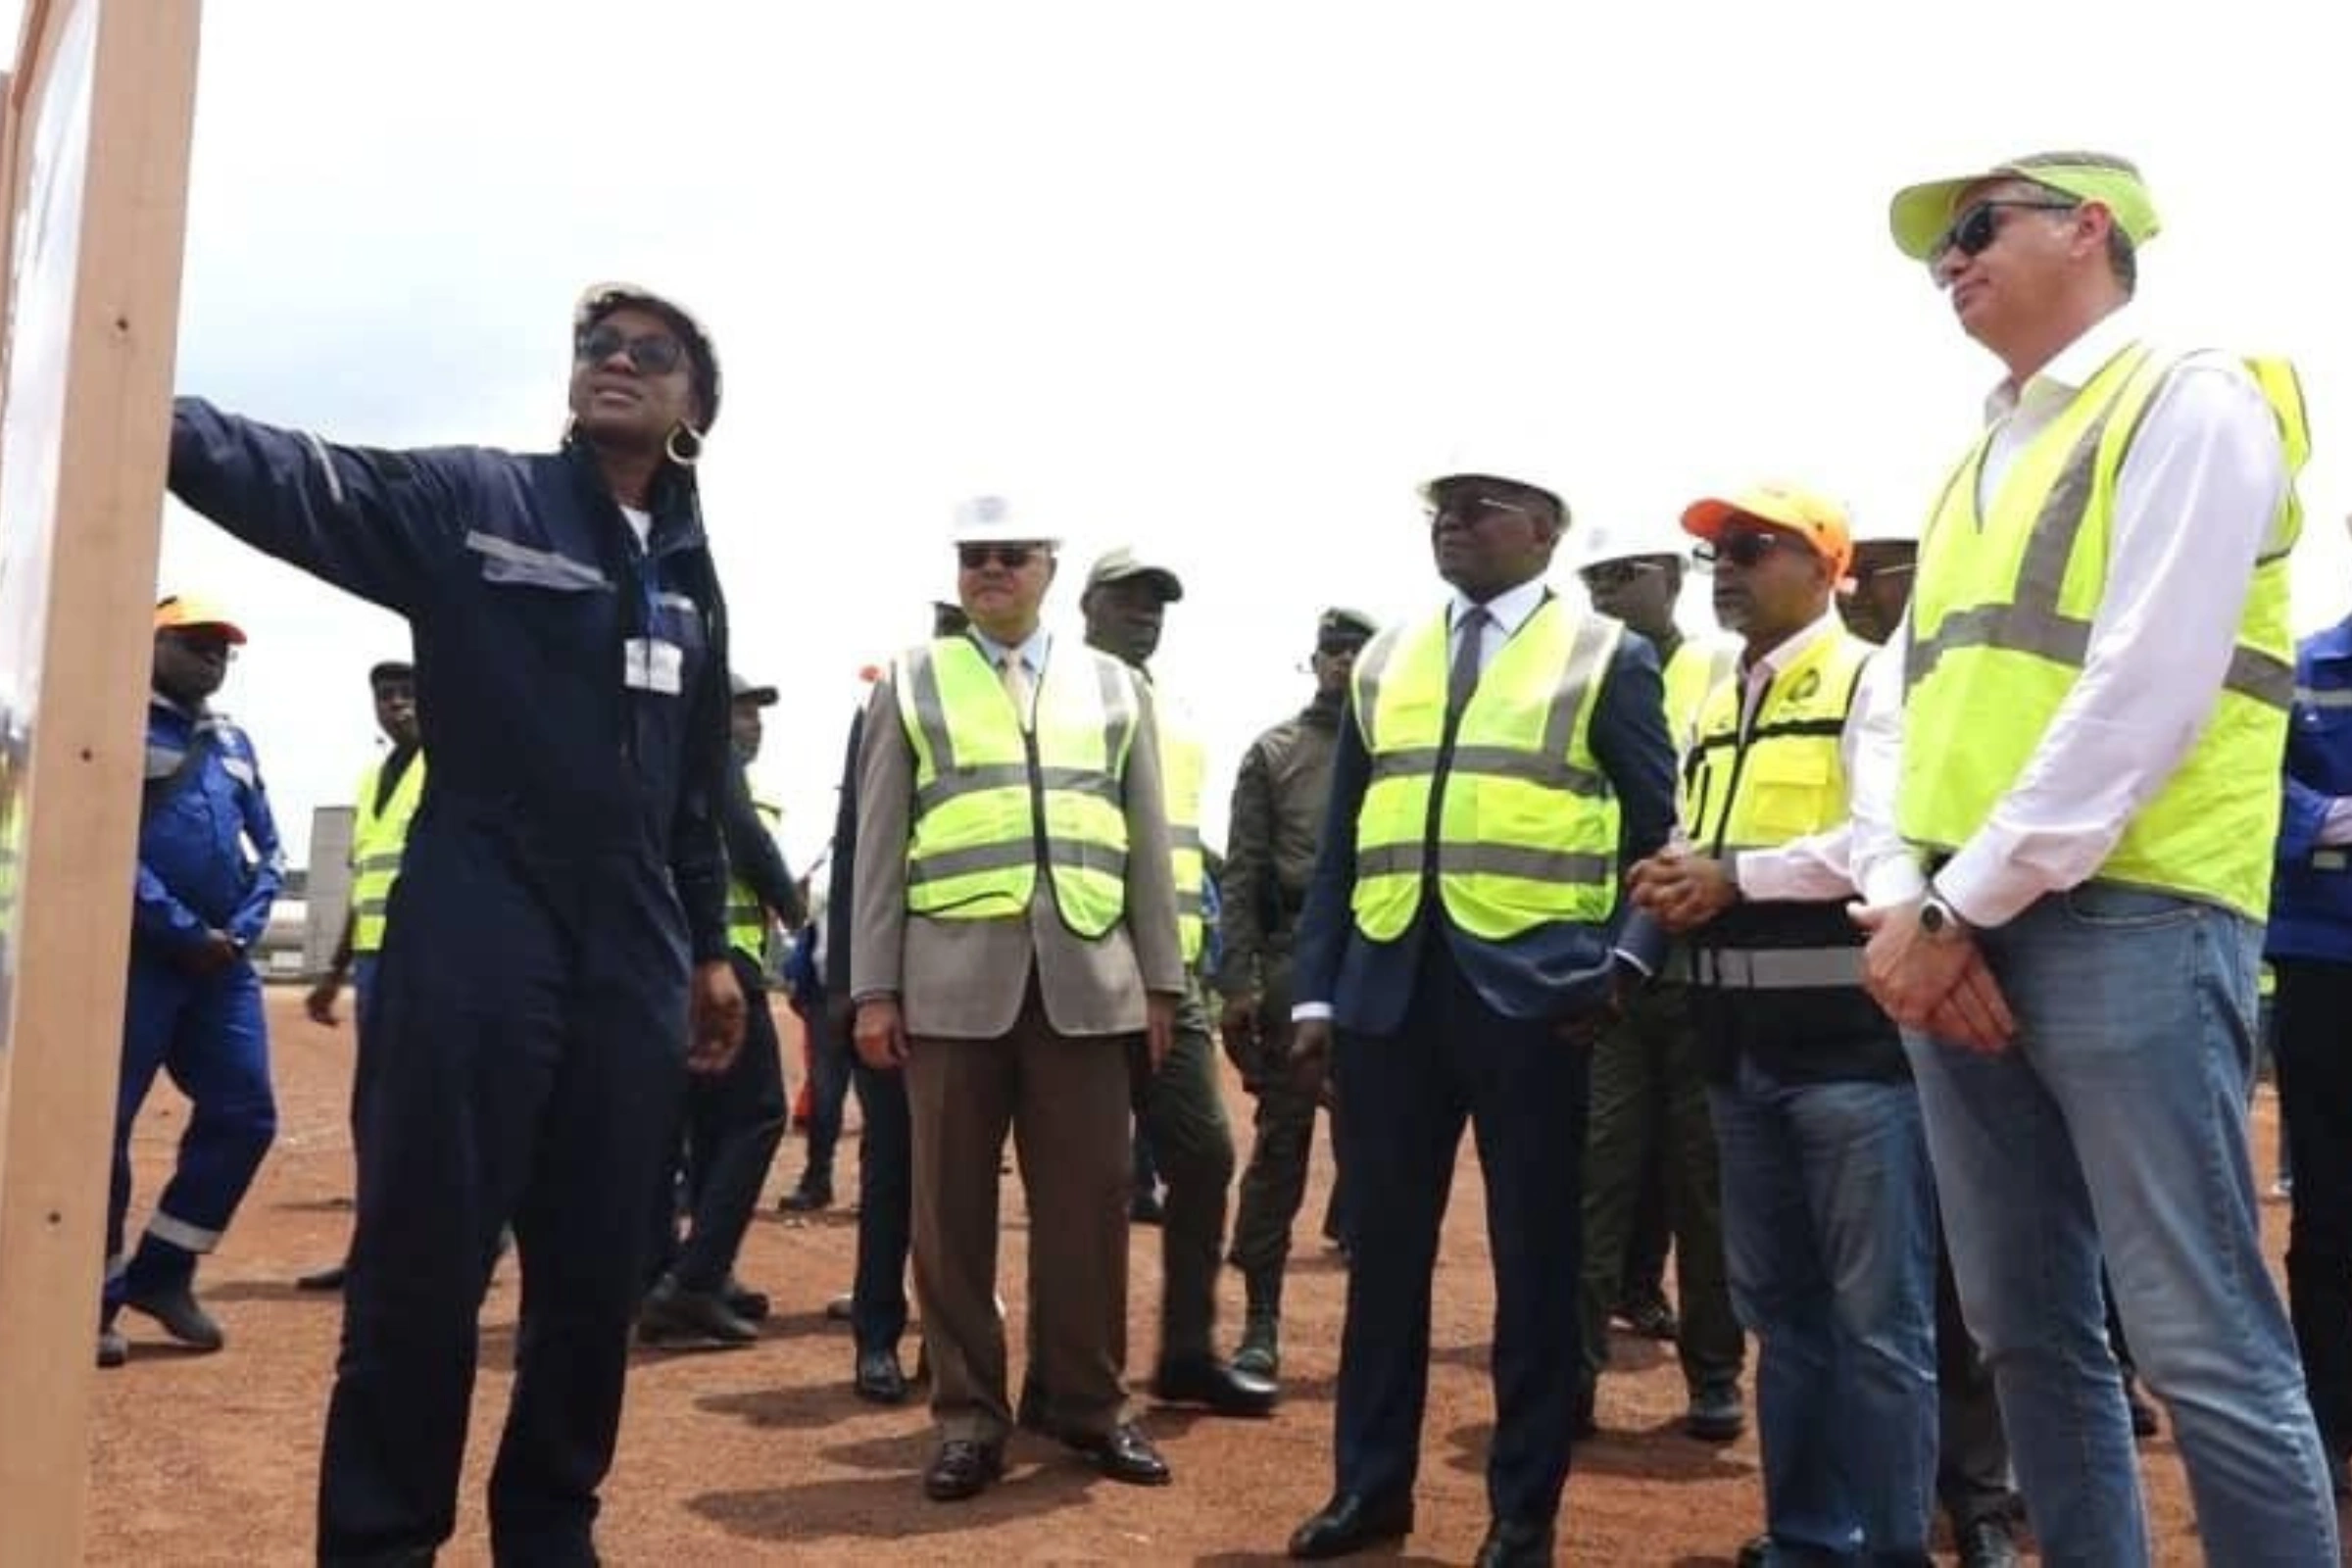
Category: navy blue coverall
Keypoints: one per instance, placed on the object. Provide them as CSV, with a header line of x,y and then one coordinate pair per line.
x,y
531,1013
204,1029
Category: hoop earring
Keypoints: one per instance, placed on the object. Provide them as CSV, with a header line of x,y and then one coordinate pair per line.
x,y
684,446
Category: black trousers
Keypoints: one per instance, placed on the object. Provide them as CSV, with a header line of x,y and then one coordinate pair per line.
x,y
829,1057
1523,1092
728,1137
885,1203
527,1059
2315,1099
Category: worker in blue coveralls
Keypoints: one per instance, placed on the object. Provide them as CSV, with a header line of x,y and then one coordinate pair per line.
x,y
194,1003
556,942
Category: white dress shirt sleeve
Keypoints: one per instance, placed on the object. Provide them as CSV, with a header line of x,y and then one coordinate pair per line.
x,y
2335,826
2193,507
1885,868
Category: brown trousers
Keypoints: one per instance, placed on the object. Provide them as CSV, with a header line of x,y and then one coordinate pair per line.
x,y
1065,1101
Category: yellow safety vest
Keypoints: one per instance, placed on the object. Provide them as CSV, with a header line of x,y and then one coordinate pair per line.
x,y
1696,668
991,801
1785,778
1183,773
2000,623
1524,824
376,841
747,916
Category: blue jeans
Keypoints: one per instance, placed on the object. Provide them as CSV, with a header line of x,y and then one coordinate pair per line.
x,y
2118,1121
1829,1236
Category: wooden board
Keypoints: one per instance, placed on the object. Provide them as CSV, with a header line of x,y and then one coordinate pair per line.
x,y
100,110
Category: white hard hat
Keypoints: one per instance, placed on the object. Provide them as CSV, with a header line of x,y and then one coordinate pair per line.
x,y
1519,467
1904,530
1627,541
990,520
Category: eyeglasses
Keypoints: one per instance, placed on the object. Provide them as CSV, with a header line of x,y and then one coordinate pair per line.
x,y
1741,550
1473,510
1619,574
1012,557
653,353
1972,232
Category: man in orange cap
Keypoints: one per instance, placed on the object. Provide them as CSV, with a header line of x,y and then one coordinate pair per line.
x,y
1829,1210
194,1003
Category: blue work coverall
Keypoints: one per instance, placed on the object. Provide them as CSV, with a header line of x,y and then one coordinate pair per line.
x,y
209,861
531,1018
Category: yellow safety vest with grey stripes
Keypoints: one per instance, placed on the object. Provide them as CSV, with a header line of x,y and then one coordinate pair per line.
x,y
991,801
2000,623
1184,771
747,916
1521,829
377,839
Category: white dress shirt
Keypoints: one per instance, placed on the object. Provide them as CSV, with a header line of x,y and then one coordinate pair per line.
x,y
2193,508
1032,655
1815,867
1506,613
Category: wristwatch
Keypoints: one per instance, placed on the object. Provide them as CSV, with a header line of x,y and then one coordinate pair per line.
x,y
1937,918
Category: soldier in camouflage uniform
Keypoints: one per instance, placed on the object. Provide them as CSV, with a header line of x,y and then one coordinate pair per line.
x,y
1277,826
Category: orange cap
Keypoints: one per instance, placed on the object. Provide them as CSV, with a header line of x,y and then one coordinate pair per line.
x,y
1793,509
183,612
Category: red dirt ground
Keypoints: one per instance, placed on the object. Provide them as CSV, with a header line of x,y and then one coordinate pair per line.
x,y
763,1456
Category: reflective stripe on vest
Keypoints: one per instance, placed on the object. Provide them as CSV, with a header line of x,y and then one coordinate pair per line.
x,y
747,916
376,842
1524,822
1785,778
1769,968
2001,624
1690,676
992,802
1184,771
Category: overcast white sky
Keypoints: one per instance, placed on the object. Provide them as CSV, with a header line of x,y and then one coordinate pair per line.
x,y
1222,280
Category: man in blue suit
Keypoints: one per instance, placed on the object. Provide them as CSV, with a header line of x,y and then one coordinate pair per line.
x,y
1502,760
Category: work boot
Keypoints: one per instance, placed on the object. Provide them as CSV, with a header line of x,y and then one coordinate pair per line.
x,y
174,1308
1260,1351
812,1193
753,1307
113,1348
690,1320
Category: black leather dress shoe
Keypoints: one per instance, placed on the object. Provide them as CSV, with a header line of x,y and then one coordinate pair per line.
x,y
1205,1380
1515,1543
1351,1522
1123,1455
962,1469
879,1381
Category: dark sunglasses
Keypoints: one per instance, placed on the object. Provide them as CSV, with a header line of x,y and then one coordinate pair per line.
x,y
1741,550
1619,574
653,354
1972,232
1012,557
1473,510
1893,568
1339,647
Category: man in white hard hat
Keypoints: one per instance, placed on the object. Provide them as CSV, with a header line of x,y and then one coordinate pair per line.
x,y
1015,928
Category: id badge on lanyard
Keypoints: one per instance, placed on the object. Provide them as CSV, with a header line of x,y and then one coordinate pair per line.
x,y
652,664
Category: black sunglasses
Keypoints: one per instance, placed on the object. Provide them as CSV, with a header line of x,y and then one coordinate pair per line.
x,y
1012,557
1972,232
1619,574
653,353
1741,550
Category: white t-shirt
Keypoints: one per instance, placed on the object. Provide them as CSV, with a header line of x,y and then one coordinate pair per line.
x,y
641,522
